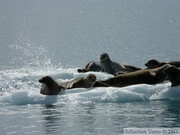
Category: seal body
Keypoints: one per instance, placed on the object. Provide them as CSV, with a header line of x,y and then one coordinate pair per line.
x,y
52,87
80,82
144,76
112,67
131,68
173,74
153,63
91,66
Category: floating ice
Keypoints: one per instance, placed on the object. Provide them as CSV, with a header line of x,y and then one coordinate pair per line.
x,y
21,87
169,93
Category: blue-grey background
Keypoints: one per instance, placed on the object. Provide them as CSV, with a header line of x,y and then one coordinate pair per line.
x,y
75,32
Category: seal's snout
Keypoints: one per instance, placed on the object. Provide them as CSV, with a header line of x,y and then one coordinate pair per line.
x,y
93,79
80,70
102,56
40,80
45,79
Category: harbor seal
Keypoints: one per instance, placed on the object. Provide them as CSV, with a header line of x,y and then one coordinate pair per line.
x,y
91,66
80,82
144,76
52,87
153,63
173,74
112,67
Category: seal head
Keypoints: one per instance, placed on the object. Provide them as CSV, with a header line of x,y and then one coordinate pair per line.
x,y
110,66
83,82
173,74
152,63
49,86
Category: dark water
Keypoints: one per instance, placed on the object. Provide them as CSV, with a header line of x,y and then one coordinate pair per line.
x,y
100,118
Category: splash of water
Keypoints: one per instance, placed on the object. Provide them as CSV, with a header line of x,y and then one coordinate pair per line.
x,y
28,54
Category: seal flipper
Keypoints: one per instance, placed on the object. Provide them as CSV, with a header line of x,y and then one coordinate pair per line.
x,y
152,73
100,84
80,70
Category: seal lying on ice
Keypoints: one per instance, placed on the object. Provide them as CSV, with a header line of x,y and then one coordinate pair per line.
x,y
52,87
153,63
91,66
144,76
108,66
